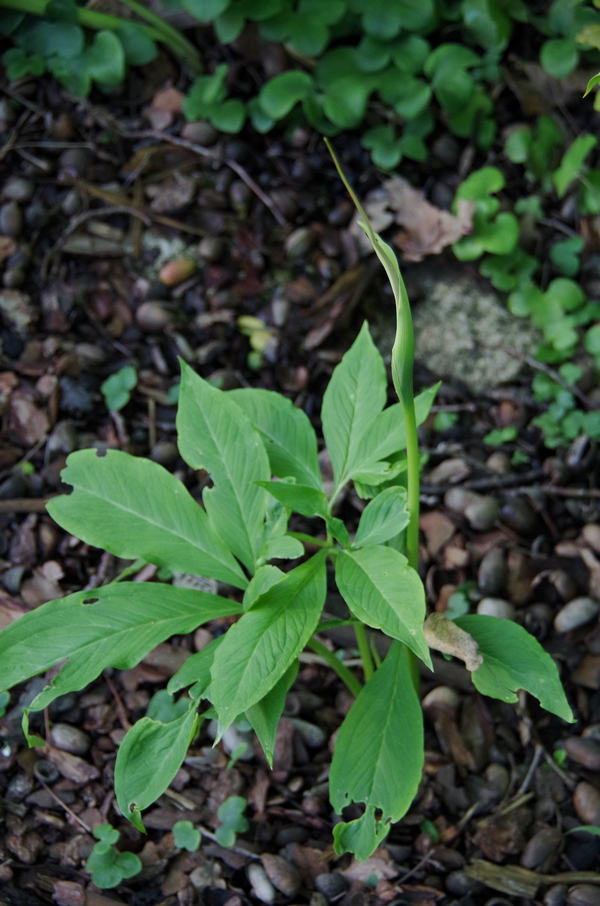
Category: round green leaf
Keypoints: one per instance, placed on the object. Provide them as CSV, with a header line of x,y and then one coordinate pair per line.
x,y
346,101
229,25
517,145
128,864
501,236
308,34
107,877
206,10
559,57
455,56
281,94
592,340
372,55
483,182
416,100
104,60
229,116
186,836
64,39
567,293
261,122
139,49
486,21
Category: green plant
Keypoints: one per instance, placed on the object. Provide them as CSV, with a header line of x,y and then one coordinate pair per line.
x,y
231,815
261,453
80,46
500,436
494,231
186,836
107,866
563,421
207,100
117,388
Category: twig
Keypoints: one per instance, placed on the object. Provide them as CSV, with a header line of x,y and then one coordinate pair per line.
x,y
420,864
485,484
125,723
80,219
545,369
24,505
206,152
578,493
537,757
12,138
62,804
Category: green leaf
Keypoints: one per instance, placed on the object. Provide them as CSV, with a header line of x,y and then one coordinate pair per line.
x,y
518,144
104,60
355,395
117,388
229,25
148,759
229,116
64,10
128,864
133,508
186,836
501,236
138,47
382,518
264,578
512,660
206,10
106,833
163,707
231,815
259,648
345,102
572,162
213,434
288,436
65,39
124,622
559,57
281,94
264,715
592,84
300,498
196,671
383,591
488,23
309,35
385,148
378,757
565,254
592,340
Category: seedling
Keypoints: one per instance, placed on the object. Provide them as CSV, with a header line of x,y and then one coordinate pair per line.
x,y
233,822
186,836
261,454
107,866
207,100
493,232
500,436
117,388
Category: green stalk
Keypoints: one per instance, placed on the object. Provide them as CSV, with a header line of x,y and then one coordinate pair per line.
x,y
89,18
364,651
172,37
336,665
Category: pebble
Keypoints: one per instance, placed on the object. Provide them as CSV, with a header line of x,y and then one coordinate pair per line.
x,y
153,317
45,770
261,886
70,739
313,736
286,203
165,453
449,471
75,162
582,851
18,188
200,133
13,277
233,738
555,896
299,242
540,848
481,512
11,219
575,614
591,535
211,249
491,576
584,751
460,884
519,515
239,195
282,874
586,800
499,462
36,216
71,203
19,787
64,438
496,607
584,895
331,885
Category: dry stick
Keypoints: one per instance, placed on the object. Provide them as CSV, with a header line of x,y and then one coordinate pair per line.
x,y
206,152
541,366
77,222
25,505
12,138
484,484
62,804
120,706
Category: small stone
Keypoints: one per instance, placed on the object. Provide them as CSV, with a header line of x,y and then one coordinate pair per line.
x,y
519,515
70,739
584,751
11,219
18,188
555,896
460,884
36,216
261,886
165,453
71,203
542,846
75,162
175,272
13,277
153,317
313,736
591,536
64,438
483,514
499,462
331,885
282,874
586,800
233,739
496,607
239,195
299,242
583,895
450,471
286,203
211,249
200,133
575,614
491,576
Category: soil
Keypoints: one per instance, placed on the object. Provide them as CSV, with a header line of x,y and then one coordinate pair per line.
x,y
94,203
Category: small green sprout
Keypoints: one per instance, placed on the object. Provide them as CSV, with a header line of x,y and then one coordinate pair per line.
x,y
106,866
500,436
186,836
233,822
117,388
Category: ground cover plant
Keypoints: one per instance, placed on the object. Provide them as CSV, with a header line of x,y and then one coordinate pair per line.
x,y
261,453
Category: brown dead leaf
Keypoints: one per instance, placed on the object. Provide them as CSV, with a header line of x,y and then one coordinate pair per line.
x,y
8,247
8,382
165,104
379,864
68,893
438,530
427,229
17,309
503,835
444,635
27,422
43,585
72,767
174,194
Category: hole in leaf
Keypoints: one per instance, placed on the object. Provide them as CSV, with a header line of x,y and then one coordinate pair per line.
x,y
90,601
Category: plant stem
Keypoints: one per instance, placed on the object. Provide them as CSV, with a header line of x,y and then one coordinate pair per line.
x,y
172,37
364,651
336,665
413,482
